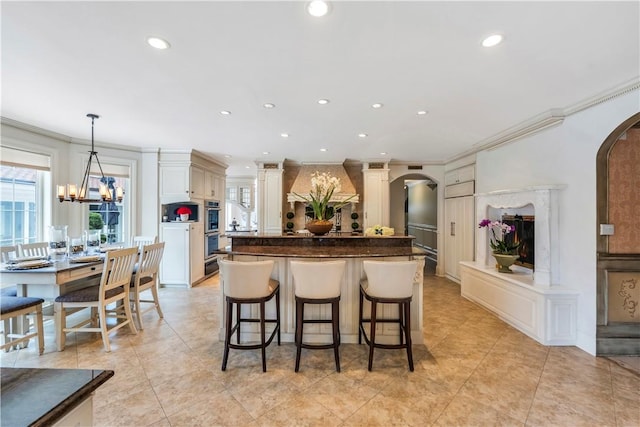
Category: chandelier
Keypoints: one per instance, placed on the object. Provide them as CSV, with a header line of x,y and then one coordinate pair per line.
x,y
71,192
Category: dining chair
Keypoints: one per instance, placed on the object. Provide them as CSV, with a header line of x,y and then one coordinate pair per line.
x,y
146,278
40,249
16,307
140,241
113,288
7,253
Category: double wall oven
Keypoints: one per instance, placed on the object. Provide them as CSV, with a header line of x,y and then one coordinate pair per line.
x,y
211,235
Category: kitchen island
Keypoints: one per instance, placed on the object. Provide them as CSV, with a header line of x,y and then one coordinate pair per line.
x,y
49,397
354,249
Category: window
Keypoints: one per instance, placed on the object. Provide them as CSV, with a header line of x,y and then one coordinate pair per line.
x,y
21,203
108,216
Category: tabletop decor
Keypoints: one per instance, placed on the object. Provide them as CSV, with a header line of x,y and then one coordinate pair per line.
x,y
379,230
505,253
184,213
323,186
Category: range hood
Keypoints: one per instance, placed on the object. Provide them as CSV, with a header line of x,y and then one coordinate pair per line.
x,y
302,183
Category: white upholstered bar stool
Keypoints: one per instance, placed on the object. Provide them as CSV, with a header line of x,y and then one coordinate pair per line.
x,y
248,282
317,283
387,282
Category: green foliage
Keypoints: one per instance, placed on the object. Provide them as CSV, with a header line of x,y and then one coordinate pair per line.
x,y
95,221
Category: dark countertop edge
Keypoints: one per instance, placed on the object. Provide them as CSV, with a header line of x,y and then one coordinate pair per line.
x,y
311,236
414,252
73,400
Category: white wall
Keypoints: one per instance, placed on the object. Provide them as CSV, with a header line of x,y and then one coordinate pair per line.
x,y
564,154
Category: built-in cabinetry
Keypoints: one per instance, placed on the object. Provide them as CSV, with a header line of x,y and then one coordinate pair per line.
x,y
270,197
183,259
376,194
192,178
459,215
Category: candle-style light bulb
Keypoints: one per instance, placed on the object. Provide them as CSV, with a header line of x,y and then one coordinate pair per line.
x,y
72,191
61,192
119,193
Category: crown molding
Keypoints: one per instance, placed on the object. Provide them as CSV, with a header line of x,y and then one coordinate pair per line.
x,y
547,119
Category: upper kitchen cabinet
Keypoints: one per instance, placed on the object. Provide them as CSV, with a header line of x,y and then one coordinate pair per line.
x,y
190,176
214,186
463,174
376,194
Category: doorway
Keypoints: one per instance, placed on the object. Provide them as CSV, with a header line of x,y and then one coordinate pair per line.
x,y
618,244
414,211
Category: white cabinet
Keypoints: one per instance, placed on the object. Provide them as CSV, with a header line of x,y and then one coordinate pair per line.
x,y
181,183
375,206
183,259
463,174
213,186
270,200
459,231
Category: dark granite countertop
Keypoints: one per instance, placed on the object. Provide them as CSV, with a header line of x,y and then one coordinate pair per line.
x,y
333,245
39,397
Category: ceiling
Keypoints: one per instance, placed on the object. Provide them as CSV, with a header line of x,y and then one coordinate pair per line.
x,y
61,60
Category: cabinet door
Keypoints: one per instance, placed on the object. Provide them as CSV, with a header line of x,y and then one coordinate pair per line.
x,y
197,183
174,183
459,234
174,269
209,185
376,198
272,214
196,250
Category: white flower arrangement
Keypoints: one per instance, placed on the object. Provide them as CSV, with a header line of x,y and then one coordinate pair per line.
x,y
379,230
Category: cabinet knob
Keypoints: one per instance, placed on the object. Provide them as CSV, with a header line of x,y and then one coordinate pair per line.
x,y
186,191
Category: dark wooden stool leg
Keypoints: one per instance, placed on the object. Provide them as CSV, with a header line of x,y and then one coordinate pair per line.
x,y
335,320
400,322
372,334
262,338
360,326
227,335
278,313
238,309
299,327
407,331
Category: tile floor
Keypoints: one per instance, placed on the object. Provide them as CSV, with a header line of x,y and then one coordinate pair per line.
x,y
473,371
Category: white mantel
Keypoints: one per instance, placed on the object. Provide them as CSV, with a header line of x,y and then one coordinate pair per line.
x,y
534,302
545,202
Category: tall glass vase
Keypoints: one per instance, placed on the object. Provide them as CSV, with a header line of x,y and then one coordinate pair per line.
x,y
58,240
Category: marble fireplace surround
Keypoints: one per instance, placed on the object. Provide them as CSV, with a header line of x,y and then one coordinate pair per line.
x,y
545,203
533,302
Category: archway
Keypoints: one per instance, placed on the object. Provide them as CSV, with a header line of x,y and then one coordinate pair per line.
x,y
413,204
618,241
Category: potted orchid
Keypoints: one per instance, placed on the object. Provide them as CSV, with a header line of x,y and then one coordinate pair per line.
x,y
323,187
505,253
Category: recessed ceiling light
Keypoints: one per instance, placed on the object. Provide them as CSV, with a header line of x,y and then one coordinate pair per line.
x,y
384,153
265,152
377,105
268,105
318,8
323,101
284,135
362,135
228,156
422,112
247,167
158,43
225,112
323,149
492,40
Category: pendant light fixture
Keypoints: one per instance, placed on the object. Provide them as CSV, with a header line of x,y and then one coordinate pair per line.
x,y
71,192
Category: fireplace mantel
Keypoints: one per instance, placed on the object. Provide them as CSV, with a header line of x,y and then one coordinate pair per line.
x,y
535,303
545,202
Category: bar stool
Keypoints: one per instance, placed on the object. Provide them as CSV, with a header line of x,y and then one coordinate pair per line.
x,y
388,282
317,283
12,307
248,282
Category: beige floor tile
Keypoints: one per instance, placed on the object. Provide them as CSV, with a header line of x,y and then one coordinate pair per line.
x,y
463,411
627,412
219,409
301,410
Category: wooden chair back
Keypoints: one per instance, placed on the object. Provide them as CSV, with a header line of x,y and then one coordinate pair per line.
x,y
34,249
118,268
140,241
7,253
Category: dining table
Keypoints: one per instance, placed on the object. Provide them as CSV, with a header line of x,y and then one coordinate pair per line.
x,y
50,279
